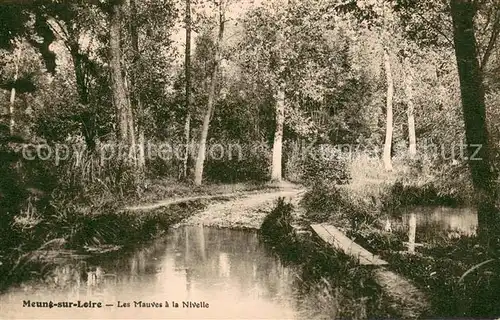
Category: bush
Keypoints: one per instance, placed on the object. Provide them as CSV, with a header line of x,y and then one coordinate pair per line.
x,y
426,183
328,166
341,206
277,224
252,166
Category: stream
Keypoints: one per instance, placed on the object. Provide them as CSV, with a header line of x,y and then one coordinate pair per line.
x,y
434,222
197,272
194,272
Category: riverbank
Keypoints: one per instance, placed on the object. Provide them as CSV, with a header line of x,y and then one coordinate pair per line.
x,y
89,235
102,226
443,269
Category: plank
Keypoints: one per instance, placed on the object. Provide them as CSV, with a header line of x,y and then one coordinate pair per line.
x,y
340,241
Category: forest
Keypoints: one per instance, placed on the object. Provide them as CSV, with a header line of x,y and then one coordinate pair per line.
x,y
371,105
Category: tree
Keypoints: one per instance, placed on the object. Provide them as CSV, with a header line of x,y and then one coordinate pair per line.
x,y
71,23
276,170
412,139
389,117
200,159
135,93
187,70
118,82
13,91
474,110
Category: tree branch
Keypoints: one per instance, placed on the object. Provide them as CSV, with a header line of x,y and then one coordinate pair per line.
x,y
492,42
433,26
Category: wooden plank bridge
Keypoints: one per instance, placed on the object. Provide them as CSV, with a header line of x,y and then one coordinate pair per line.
x,y
407,299
339,241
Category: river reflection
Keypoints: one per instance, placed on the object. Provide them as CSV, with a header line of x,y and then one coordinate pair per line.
x,y
230,271
428,224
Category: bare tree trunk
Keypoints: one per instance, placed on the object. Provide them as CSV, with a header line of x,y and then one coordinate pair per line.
x,y
200,159
388,130
13,93
136,96
276,168
187,138
117,80
474,110
187,66
410,112
131,136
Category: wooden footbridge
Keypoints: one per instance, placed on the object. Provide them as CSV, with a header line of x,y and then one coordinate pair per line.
x,y
410,301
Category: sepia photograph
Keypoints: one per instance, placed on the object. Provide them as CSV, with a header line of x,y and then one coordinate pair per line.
x,y
249,159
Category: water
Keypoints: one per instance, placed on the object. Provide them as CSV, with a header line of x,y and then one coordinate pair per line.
x,y
224,274
433,223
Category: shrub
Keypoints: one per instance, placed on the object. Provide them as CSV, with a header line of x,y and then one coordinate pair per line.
x,y
321,164
277,224
252,166
426,183
341,206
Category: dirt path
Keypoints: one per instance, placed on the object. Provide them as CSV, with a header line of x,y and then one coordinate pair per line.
x,y
245,212
168,202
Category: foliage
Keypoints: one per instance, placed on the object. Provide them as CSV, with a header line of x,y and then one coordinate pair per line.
x,y
329,167
342,206
252,166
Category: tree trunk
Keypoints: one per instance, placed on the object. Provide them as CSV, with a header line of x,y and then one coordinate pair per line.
x,y
187,66
131,136
12,123
474,110
135,94
200,159
388,130
276,170
187,138
411,113
117,80
87,119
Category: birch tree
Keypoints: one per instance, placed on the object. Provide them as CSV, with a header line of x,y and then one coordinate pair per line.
x,y
387,158
202,145
187,75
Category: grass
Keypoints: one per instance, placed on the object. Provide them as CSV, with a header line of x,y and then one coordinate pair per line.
x,y
76,208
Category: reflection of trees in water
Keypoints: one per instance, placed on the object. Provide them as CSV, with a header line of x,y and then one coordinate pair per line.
x,y
228,257
78,277
92,276
210,258
433,223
